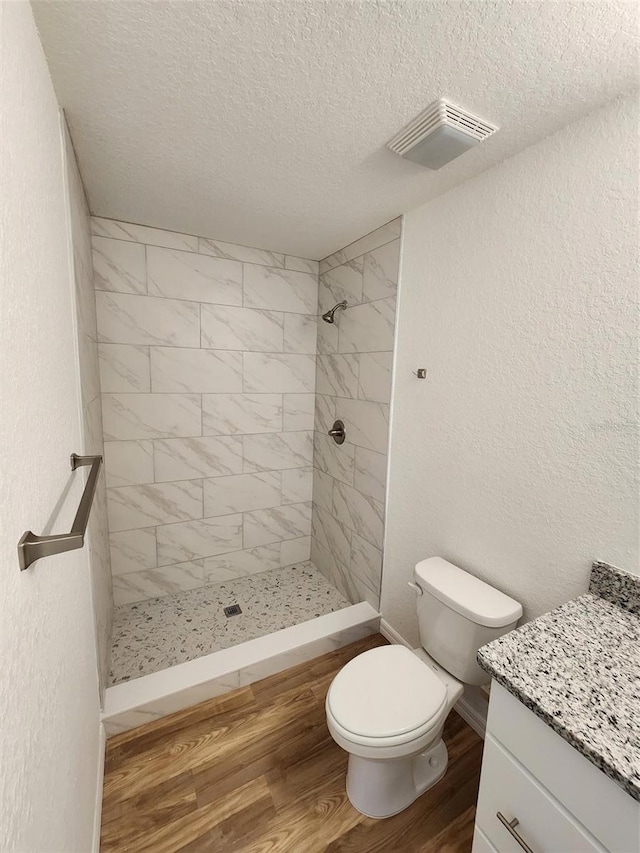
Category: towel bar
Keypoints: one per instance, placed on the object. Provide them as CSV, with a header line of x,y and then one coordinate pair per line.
x,y
32,547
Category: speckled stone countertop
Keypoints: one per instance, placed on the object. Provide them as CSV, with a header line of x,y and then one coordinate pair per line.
x,y
578,669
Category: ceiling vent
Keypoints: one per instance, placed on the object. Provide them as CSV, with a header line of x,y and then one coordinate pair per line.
x,y
439,134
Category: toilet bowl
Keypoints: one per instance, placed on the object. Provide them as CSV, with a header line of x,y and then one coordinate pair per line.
x,y
387,707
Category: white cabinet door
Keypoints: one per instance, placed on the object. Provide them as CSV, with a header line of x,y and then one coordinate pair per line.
x,y
481,844
597,802
506,789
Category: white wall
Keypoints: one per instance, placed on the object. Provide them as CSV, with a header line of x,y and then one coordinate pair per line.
x,y
87,342
49,733
517,458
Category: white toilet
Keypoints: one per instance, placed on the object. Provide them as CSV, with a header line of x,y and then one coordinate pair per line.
x,y
387,707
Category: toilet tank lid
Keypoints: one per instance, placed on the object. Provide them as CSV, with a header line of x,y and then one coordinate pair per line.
x,y
466,594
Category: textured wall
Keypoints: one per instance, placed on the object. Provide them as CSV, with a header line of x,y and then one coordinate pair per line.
x,y
207,366
518,457
354,385
87,339
49,709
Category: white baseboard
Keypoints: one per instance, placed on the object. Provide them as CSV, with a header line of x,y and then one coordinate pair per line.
x,y
392,635
97,813
468,713
471,716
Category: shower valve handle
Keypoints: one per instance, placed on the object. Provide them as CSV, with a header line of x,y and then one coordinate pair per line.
x,y
337,432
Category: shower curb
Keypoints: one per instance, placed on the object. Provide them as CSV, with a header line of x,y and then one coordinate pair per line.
x,y
150,697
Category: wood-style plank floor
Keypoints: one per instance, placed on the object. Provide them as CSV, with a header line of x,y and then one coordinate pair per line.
x,y
256,771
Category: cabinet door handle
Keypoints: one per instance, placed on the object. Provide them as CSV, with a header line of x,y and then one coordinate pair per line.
x,y
510,825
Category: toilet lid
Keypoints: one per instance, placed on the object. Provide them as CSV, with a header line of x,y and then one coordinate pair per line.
x,y
385,692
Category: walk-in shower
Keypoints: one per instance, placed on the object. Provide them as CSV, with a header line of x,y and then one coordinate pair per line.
x,y
243,538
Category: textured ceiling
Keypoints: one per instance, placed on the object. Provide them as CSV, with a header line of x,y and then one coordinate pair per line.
x,y
264,122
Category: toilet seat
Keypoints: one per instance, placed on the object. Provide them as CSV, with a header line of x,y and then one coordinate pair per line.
x,y
387,699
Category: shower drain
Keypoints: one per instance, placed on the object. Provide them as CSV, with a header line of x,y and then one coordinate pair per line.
x,y
232,610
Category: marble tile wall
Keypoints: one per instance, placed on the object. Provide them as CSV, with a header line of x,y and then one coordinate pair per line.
x,y
98,541
208,370
353,383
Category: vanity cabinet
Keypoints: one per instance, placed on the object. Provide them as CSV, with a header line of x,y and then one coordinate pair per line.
x,y
539,794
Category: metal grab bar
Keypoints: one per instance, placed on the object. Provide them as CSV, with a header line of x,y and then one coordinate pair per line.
x,y
32,547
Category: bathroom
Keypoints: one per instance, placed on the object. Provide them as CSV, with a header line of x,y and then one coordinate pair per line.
x,y
320,376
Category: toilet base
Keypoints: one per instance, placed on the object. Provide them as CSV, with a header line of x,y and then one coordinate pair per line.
x,y
381,788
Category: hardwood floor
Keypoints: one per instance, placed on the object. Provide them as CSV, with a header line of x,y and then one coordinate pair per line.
x,y
256,771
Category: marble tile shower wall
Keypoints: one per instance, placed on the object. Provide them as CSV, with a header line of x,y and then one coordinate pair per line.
x,y
208,368
354,384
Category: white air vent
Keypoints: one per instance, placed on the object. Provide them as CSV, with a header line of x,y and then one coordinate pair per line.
x,y
440,133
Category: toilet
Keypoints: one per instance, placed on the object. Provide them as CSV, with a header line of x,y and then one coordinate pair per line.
x,y
387,707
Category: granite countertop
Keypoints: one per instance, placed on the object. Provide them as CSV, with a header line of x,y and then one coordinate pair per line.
x,y
578,669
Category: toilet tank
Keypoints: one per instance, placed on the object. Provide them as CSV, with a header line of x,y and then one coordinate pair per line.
x,y
458,613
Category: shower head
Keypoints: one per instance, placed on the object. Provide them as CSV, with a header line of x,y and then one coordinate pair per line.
x,y
328,316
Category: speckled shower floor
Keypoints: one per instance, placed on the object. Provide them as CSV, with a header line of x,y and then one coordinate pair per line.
x,y
160,632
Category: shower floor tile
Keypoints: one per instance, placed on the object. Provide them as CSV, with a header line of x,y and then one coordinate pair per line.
x,y
160,632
